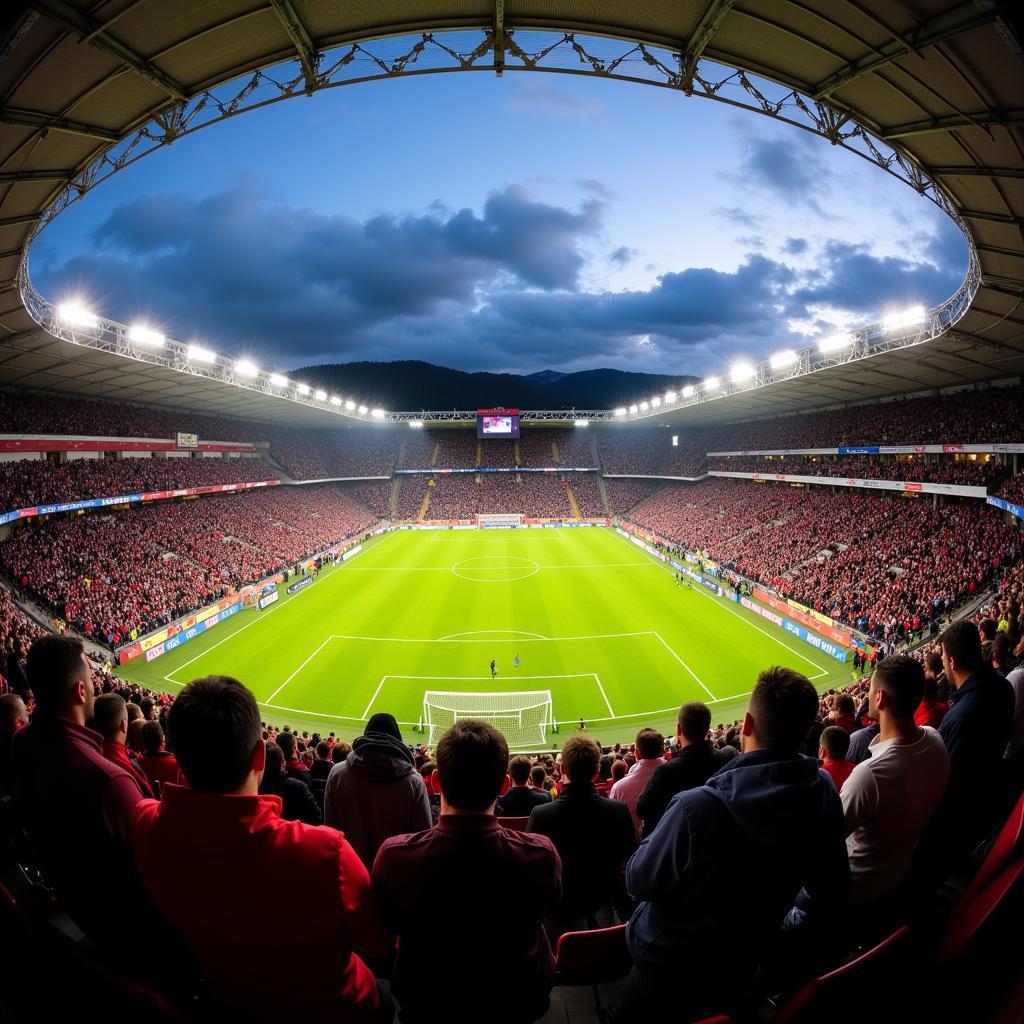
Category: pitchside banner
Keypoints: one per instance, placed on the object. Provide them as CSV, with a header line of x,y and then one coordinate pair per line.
x,y
852,481
805,616
1008,506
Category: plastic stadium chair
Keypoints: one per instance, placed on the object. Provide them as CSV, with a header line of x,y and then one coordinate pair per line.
x,y
592,957
1006,845
819,998
518,824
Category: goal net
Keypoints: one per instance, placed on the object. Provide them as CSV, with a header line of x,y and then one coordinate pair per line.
x,y
522,717
498,520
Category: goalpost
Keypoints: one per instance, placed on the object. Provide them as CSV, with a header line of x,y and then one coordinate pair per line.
x,y
498,520
523,716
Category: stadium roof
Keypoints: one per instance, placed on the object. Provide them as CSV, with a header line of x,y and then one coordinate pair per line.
x,y
941,83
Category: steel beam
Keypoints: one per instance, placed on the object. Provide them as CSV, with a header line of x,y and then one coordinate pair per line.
x,y
982,119
499,37
702,34
292,24
36,175
34,119
975,171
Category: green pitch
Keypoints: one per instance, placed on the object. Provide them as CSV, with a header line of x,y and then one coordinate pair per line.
x,y
592,619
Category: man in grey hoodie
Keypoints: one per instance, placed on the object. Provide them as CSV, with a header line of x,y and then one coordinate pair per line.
x,y
376,792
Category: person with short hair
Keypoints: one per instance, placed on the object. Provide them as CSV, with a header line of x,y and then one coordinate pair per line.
x,y
440,876
13,716
538,776
844,716
212,854
340,752
649,746
835,743
159,764
594,837
297,800
735,850
694,762
520,798
110,720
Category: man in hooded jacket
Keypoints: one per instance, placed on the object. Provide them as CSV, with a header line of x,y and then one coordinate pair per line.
x,y
376,792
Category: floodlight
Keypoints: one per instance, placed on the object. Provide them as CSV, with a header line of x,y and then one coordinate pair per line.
x,y
303,389
320,396
74,314
644,406
363,410
633,408
741,372
670,396
350,405
278,380
901,319
621,411
835,343
787,357
712,383
141,335
377,414
689,391
656,401
416,424
335,400
198,354
246,369
581,423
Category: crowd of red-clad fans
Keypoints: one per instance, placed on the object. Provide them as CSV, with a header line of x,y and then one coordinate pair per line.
x,y
117,574
1013,490
643,450
884,566
625,494
326,454
941,470
30,482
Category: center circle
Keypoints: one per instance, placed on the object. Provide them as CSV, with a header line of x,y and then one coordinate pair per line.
x,y
495,568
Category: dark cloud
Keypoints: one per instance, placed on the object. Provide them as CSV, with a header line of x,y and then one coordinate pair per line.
x,y
737,215
789,168
795,246
622,256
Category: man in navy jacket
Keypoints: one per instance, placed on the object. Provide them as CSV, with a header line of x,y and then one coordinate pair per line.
x,y
719,873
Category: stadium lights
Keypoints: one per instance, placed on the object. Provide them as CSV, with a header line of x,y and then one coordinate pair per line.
x,y
656,401
320,396
644,406
835,343
303,389
787,357
142,335
689,391
670,396
416,424
198,354
912,316
74,314
246,369
633,408
363,410
278,380
350,405
621,411
712,383
581,423
377,414
741,372
335,400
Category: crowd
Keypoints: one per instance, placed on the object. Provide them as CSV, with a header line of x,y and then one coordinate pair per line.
x,y
1013,490
373,495
755,854
28,482
625,494
887,566
922,469
325,454
644,450
117,575
586,490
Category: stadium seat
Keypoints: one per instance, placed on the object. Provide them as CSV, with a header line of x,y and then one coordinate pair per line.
x,y
1006,845
592,957
821,998
519,824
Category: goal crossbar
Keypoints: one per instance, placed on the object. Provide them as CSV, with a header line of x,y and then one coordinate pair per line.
x,y
523,716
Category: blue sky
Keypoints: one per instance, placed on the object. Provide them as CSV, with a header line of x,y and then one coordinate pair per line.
x,y
523,223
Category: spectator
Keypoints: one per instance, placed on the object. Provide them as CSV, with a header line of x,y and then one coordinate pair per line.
x,y
594,837
1013,669
844,716
520,798
159,764
292,765
297,800
934,671
860,743
538,778
693,763
340,751
931,710
376,791
835,744
110,720
322,764
736,850
650,745
240,852
13,717
439,876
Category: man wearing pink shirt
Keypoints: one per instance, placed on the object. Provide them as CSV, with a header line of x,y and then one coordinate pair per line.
x,y
650,746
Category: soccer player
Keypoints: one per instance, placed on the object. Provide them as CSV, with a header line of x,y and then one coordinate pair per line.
x,y
515,662
494,670
583,725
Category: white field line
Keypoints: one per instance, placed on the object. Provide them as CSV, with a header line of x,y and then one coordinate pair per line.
x,y
300,668
448,568
604,696
528,640
687,667
491,632
380,686
753,625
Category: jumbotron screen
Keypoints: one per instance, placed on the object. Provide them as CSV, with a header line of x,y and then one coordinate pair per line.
x,y
497,423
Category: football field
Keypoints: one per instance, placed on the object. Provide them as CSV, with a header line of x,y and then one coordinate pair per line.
x,y
591,618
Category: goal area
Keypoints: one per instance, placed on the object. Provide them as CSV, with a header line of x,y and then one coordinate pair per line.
x,y
523,717
498,520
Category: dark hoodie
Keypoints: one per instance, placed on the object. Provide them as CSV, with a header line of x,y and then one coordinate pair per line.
x,y
376,793
737,849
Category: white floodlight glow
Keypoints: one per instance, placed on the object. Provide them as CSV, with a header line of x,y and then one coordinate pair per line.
x,y
303,389
278,380
787,357
335,400
741,372
142,335
320,396
901,319
656,401
689,391
74,314
670,396
198,354
712,383
633,408
416,424
621,411
363,410
350,405
644,406
581,423
835,343
246,369
377,414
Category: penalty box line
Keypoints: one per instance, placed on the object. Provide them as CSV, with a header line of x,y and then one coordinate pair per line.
x,y
484,679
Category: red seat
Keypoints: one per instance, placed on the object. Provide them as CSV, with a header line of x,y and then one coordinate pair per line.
x,y
814,1000
592,957
519,824
1007,843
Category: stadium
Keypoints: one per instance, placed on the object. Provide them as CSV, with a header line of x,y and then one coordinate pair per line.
x,y
715,689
